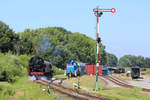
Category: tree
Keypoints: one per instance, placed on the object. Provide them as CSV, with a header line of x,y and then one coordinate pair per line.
x,y
147,62
124,62
140,61
46,41
61,56
111,60
7,38
131,60
102,55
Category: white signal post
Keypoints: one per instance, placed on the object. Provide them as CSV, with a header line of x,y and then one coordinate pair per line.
x,y
99,13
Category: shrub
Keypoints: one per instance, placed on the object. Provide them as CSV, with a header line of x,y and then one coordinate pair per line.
x,y
12,66
57,70
9,91
23,60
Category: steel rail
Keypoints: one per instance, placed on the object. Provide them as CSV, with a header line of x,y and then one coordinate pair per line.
x,y
120,83
71,92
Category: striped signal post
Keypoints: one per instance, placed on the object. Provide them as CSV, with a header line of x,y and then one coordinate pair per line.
x,y
98,12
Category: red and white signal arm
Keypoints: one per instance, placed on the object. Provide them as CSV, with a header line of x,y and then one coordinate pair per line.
x,y
113,10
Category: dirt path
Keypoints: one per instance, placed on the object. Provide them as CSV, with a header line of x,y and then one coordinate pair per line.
x,y
18,94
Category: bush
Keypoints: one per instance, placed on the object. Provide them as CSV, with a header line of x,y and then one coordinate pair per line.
x,y
23,60
57,70
1,88
12,66
9,91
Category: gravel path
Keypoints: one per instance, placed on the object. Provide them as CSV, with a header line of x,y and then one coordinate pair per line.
x,y
107,82
119,79
143,83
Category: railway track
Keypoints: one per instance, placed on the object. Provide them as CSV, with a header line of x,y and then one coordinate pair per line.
x,y
71,92
123,84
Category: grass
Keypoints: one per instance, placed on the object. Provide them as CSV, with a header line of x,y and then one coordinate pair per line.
x,y
25,90
57,71
147,71
124,94
88,83
122,76
60,76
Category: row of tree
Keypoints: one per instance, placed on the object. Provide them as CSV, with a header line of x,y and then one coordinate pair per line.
x,y
127,61
59,46
54,44
131,60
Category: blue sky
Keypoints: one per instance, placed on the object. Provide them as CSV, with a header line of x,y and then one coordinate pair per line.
x,y
125,32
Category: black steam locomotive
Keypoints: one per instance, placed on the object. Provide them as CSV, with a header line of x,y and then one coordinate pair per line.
x,y
38,67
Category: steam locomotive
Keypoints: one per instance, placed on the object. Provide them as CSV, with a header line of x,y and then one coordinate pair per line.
x,y
38,68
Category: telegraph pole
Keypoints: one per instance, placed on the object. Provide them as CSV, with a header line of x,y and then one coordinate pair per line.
x,y
99,12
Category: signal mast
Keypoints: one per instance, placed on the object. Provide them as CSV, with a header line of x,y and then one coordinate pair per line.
x,y
99,12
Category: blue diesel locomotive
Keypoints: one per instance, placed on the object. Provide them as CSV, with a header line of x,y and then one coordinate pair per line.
x,y
72,69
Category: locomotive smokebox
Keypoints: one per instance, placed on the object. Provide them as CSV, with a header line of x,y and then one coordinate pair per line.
x,y
38,67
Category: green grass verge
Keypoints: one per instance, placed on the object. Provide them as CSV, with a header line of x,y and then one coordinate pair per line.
x,y
147,71
57,71
88,82
124,94
22,89
60,76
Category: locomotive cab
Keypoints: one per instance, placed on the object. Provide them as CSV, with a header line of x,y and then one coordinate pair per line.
x,y
48,69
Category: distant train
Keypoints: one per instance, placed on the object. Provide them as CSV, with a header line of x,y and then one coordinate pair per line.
x,y
38,67
135,72
119,70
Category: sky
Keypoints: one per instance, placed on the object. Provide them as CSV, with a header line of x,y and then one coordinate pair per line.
x,y
125,32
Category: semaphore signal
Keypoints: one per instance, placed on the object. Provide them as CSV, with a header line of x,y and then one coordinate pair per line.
x,y
99,12
113,10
